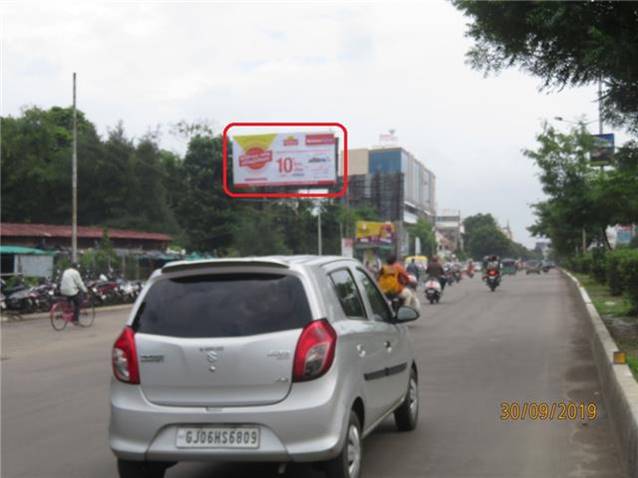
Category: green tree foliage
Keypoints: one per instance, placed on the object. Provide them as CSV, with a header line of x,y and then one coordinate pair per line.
x,y
100,260
202,209
580,197
259,232
131,183
484,237
425,232
564,43
119,184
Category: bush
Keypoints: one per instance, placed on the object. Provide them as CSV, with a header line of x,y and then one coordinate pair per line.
x,y
599,265
629,275
614,275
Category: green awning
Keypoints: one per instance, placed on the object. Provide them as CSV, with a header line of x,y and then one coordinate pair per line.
x,y
24,251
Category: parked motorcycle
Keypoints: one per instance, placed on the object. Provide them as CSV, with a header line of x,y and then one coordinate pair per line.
x,y
433,290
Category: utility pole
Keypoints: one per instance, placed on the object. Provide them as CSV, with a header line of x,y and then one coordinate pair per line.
x,y
319,245
74,232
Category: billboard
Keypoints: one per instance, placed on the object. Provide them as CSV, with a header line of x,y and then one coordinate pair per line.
x,y
285,159
375,233
624,234
603,148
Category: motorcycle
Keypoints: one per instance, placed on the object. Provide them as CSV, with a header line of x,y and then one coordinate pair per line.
x,y
493,279
433,290
26,300
457,275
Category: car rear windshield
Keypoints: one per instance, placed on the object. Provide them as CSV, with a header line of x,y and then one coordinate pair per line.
x,y
228,305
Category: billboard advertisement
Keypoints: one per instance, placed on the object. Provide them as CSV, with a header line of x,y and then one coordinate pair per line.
x,y
285,159
624,234
603,148
375,233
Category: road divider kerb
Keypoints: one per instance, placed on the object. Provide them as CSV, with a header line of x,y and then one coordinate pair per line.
x,y
45,315
620,389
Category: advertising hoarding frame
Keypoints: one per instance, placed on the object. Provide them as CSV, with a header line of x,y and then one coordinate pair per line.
x,y
235,194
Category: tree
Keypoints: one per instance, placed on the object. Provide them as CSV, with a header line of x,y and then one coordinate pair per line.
x,y
580,197
36,164
203,210
484,237
425,232
564,43
487,240
257,232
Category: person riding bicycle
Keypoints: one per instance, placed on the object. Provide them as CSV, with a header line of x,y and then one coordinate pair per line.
x,y
393,279
71,286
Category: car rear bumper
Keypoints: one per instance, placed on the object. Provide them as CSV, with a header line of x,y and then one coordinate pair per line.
x,y
306,426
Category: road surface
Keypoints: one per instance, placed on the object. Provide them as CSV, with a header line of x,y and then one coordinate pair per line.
x,y
523,343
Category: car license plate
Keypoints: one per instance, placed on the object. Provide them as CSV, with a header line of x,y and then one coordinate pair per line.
x,y
218,437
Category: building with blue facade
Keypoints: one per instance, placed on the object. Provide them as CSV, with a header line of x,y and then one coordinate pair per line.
x,y
395,183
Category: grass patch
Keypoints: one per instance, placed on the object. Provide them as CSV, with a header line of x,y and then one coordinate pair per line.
x,y
605,303
632,361
615,311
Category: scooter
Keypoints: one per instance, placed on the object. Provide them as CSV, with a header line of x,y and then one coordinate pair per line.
x,y
433,290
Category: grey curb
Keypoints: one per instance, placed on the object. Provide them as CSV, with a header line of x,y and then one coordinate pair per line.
x,y
620,389
45,315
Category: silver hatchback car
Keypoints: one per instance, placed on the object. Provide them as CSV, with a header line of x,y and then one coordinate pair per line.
x,y
260,359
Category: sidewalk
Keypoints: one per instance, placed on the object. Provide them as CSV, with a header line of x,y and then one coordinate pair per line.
x,y
15,318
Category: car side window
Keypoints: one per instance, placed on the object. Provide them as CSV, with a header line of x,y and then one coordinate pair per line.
x,y
378,303
348,294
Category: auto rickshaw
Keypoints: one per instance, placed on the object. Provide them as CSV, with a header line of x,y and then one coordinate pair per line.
x,y
508,266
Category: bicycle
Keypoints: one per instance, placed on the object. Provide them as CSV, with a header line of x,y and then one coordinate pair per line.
x,y
61,312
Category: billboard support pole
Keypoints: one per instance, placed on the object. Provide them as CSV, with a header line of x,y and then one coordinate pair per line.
x,y
319,245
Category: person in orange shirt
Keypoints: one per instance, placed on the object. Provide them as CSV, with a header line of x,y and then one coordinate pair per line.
x,y
393,279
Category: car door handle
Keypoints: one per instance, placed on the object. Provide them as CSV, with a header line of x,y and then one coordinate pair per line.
x,y
388,346
361,351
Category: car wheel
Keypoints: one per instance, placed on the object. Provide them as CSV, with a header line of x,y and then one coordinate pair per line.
x,y
348,463
141,469
407,415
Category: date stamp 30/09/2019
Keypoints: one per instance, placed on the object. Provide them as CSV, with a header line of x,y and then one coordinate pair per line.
x,y
548,411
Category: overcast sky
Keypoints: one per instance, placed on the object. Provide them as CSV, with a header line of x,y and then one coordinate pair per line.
x,y
370,66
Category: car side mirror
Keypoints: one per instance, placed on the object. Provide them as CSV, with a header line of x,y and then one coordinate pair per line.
x,y
406,314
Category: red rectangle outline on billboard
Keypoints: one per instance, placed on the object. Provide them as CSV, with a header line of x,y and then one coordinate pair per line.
x,y
233,194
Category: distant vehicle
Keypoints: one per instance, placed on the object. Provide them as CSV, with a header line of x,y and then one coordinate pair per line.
x,y
433,290
263,359
508,266
533,267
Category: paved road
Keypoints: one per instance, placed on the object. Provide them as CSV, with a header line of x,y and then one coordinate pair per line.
x,y
475,350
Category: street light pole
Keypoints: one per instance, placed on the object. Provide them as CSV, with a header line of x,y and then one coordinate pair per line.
x,y
74,227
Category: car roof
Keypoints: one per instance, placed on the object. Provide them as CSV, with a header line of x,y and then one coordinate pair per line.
x,y
284,262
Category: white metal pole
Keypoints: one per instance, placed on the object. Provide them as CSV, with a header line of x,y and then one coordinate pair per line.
x,y
74,232
319,245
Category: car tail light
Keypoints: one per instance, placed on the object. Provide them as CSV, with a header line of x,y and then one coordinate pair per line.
x,y
315,351
125,367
